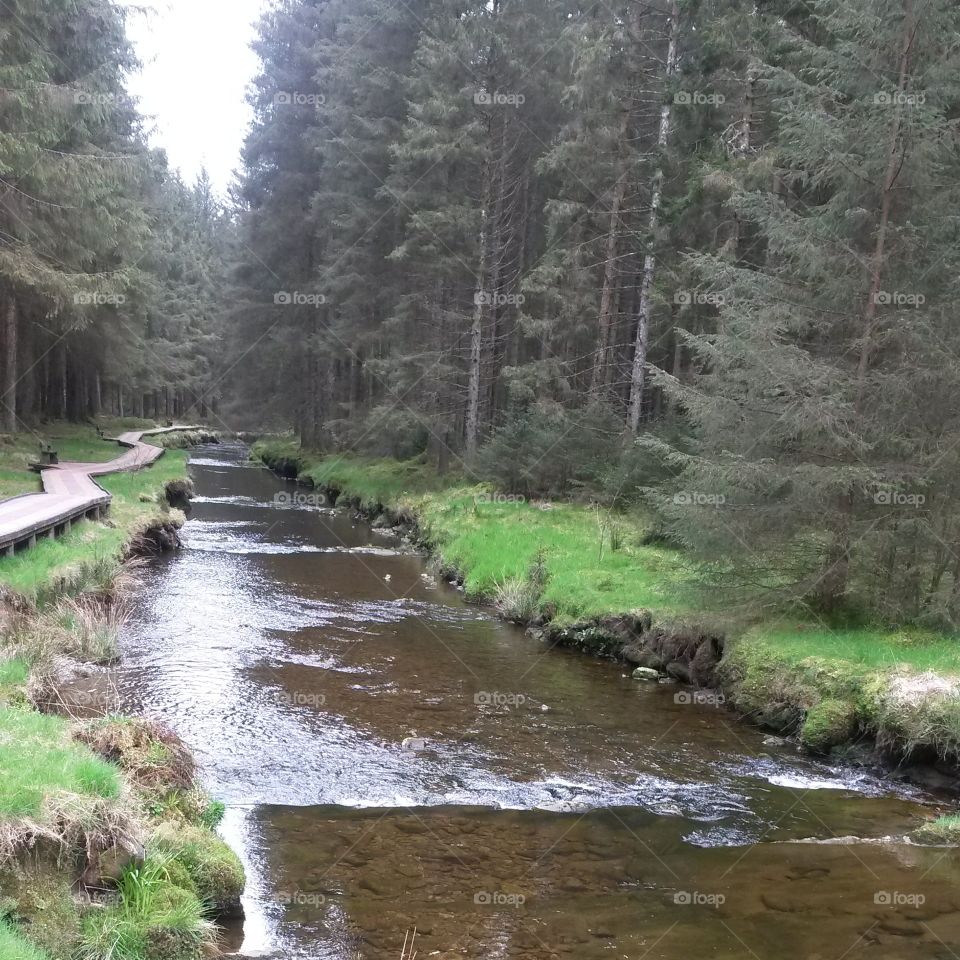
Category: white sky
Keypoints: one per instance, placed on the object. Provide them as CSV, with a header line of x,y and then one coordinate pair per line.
x,y
197,63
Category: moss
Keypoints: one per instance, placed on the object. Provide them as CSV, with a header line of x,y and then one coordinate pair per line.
x,y
42,908
829,724
216,871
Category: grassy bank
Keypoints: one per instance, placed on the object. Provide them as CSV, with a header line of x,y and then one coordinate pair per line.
x,y
582,569
107,845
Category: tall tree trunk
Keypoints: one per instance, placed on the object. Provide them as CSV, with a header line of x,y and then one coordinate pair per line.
x,y
481,302
601,363
9,419
832,584
638,373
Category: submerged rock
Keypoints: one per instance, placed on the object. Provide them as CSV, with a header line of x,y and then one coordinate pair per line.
x,y
645,673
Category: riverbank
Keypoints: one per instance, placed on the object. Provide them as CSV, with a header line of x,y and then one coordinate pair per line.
x,y
107,843
599,581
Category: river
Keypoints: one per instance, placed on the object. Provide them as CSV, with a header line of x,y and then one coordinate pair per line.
x,y
544,804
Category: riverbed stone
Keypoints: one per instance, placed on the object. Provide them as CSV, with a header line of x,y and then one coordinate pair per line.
x,y
645,673
679,671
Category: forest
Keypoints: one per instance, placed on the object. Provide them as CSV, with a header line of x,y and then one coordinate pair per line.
x,y
698,255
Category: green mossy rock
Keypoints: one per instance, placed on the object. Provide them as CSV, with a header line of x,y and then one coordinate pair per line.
x,y
829,724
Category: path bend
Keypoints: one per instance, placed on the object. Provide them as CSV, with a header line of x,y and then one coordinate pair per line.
x,y
70,492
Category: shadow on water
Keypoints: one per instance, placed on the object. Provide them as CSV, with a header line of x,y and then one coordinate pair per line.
x,y
553,807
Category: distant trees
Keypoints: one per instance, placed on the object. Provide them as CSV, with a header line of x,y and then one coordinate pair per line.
x,y
89,222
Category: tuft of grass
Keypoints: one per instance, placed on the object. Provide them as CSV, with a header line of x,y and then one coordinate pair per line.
x,y
153,919
153,757
15,947
945,829
83,628
14,674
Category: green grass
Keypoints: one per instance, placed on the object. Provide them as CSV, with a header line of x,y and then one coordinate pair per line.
x,y
38,758
864,650
944,829
590,571
15,947
154,918
91,544
14,674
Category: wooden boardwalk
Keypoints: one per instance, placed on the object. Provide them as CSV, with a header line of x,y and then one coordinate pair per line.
x,y
70,493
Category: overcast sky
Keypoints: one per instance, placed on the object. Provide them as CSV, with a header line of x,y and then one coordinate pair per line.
x,y
197,63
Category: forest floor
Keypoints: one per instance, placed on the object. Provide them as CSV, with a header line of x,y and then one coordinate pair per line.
x,y
579,567
115,795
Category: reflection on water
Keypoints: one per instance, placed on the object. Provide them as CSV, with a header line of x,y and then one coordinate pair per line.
x,y
555,807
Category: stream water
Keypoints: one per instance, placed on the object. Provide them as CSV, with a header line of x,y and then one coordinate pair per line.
x,y
547,806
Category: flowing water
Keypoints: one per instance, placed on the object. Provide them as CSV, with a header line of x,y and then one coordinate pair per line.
x,y
543,805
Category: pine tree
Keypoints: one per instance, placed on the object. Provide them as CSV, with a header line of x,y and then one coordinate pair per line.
x,y
818,414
